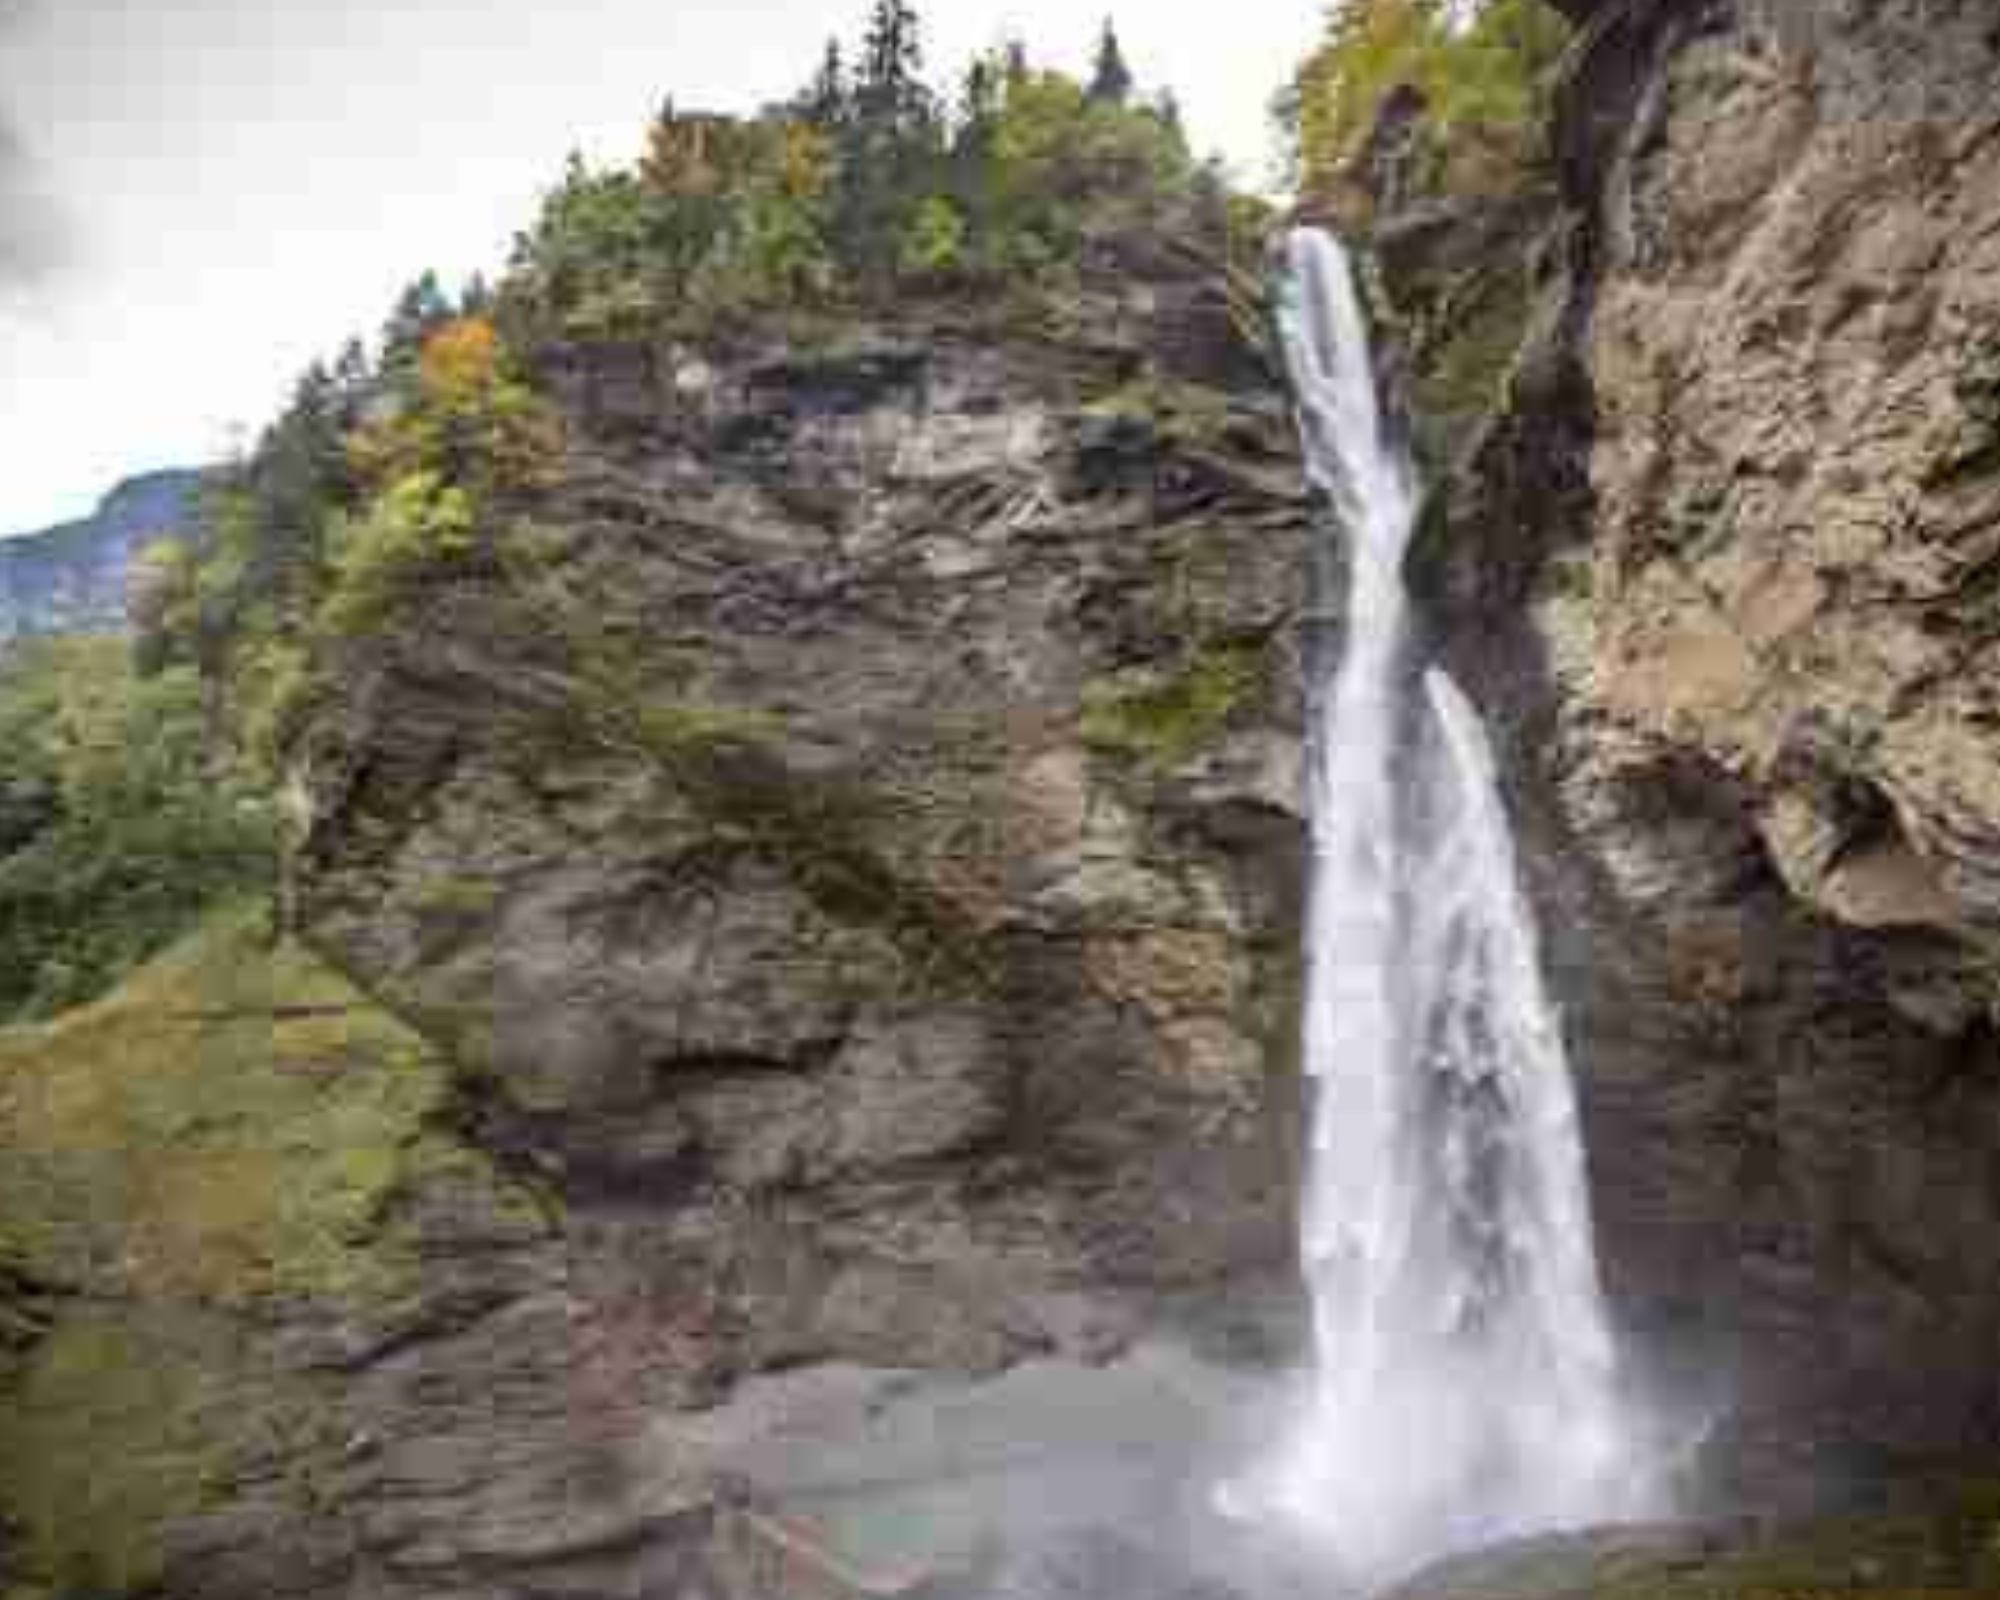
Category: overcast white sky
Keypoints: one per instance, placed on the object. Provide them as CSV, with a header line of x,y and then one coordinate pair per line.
x,y
246,182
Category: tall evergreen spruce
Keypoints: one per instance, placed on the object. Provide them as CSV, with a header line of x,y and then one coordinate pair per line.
x,y
825,101
422,307
891,93
1111,83
978,112
1018,66
891,152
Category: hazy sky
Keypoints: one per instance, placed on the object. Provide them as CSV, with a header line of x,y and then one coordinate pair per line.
x,y
197,197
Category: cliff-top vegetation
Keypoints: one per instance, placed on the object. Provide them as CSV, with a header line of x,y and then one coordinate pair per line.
x,y
1483,74
420,459
871,186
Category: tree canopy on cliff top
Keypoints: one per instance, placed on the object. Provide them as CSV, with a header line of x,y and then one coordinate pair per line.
x,y
389,471
867,186
868,183
1484,69
871,186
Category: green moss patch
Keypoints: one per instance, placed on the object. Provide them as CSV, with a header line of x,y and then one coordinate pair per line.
x,y
1949,1553
111,1435
838,838
1179,413
1470,341
234,1131
234,1125
1164,721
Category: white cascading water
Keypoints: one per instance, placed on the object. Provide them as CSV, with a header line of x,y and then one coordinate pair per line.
x,y
1466,1386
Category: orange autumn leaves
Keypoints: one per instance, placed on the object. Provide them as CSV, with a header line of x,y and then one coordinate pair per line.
x,y
444,466
460,361
472,420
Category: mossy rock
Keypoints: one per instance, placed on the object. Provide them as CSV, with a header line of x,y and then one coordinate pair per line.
x,y
232,1134
837,836
235,1124
1178,413
111,1435
1950,1552
1464,360
1165,720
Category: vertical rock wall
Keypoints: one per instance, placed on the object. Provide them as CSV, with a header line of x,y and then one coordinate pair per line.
x,y
1727,563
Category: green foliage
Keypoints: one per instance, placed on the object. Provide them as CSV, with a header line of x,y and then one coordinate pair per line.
x,y
891,91
827,99
467,417
163,602
423,451
1497,75
590,261
934,247
1165,721
417,526
773,256
232,1125
861,186
1946,1552
108,1439
1065,166
274,686
421,309
259,553
138,826
723,217
1486,82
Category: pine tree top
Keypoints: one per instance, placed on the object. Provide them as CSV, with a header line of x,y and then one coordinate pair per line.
x,y
1112,81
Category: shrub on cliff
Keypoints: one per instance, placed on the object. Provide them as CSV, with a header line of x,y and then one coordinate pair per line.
x,y
467,416
1485,74
416,525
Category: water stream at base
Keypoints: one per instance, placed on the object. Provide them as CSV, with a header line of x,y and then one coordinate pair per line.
x,y
1466,1385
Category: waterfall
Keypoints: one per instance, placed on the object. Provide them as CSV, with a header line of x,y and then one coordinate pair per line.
x,y
1466,1386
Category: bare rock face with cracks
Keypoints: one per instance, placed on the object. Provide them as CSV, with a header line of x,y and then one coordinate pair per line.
x,y
849,849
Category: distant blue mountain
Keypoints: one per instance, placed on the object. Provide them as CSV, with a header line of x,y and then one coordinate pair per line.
x,y
72,579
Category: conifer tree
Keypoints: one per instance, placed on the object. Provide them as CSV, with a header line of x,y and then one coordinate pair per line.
x,y
891,95
419,309
1111,83
1018,67
825,102
979,111
891,155
352,376
476,298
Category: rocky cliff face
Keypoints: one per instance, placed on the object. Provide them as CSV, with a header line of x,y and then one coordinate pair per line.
x,y
847,837
1726,563
72,579
852,832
